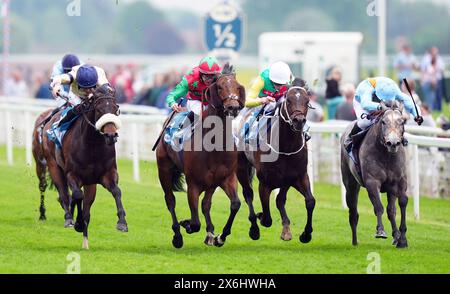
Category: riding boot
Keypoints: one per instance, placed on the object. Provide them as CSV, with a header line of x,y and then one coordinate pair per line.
x,y
348,142
307,136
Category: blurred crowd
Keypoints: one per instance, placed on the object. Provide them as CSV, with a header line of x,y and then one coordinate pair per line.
x,y
150,86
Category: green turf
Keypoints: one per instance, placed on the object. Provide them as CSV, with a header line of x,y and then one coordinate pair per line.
x,y
31,246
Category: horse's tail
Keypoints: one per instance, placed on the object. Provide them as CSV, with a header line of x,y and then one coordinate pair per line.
x,y
177,180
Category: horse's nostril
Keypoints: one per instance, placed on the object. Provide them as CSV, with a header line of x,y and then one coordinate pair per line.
x,y
397,144
389,144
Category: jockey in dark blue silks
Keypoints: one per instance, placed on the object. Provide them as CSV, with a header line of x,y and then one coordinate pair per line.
x,y
83,80
64,66
368,95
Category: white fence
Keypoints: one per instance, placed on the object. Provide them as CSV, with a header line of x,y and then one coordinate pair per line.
x,y
142,124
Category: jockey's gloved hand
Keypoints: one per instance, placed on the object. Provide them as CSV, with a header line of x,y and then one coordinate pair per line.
x,y
55,90
419,120
379,107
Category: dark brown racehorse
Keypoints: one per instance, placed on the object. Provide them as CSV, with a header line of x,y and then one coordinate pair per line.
x,y
288,169
205,170
88,158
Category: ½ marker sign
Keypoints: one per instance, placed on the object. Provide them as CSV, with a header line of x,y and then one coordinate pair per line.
x,y
223,28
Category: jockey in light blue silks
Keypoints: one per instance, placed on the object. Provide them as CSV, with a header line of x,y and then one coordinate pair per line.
x,y
368,95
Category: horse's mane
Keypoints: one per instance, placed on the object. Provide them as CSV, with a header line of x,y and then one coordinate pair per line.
x,y
299,82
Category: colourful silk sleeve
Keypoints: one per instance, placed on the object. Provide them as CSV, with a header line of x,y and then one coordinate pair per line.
x,y
252,99
179,91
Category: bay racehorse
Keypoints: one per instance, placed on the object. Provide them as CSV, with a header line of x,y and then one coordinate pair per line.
x,y
205,169
289,169
87,158
382,164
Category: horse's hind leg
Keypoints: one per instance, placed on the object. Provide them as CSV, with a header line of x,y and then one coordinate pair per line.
x,y
206,208
165,178
304,187
41,173
245,179
110,182
89,197
351,196
286,234
77,197
230,188
391,211
60,183
373,189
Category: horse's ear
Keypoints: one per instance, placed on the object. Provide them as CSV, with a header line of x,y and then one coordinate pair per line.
x,y
241,95
212,95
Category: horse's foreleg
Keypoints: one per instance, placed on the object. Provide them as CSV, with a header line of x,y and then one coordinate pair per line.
x,y
402,201
230,188
206,208
391,211
373,189
264,195
110,182
192,225
244,177
89,197
286,234
304,187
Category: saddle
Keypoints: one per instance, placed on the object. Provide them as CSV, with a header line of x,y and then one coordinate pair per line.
x,y
179,130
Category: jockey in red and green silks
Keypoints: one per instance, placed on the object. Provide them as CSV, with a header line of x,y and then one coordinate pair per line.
x,y
194,84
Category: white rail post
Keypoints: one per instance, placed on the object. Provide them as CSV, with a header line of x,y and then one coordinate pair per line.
x,y
135,142
28,137
310,165
415,180
9,138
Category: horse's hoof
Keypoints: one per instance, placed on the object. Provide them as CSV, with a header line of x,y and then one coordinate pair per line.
x,y
218,242
42,218
177,241
355,243
402,244
78,227
305,238
68,223
264,222
286,236
209,240
381,234
122,227
254,233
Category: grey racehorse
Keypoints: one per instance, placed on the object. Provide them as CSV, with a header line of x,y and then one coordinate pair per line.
x,y
382,163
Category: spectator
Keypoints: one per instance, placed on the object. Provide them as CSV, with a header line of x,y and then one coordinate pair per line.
x,y
315,114
405,63
432,78
43,90
345,110
16,86
332,94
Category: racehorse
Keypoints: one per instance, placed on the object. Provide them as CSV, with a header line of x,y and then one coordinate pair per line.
x,y
382,163
288,170
87,158
205,170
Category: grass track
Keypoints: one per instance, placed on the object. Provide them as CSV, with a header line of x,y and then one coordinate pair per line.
x,y
30,246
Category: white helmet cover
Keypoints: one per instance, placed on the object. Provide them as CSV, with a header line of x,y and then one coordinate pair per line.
x,y
280,73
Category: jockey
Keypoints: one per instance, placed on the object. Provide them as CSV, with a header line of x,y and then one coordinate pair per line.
x,y
193,86
63,67
271,85
368,95
83,81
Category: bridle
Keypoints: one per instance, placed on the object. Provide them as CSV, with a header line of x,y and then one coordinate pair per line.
x,y
227,98
289,117
92,102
